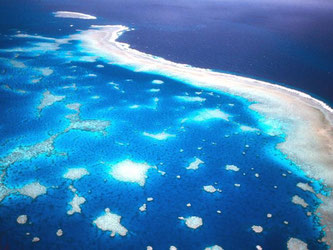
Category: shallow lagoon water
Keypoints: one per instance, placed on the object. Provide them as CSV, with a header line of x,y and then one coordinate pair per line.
x,y
109,93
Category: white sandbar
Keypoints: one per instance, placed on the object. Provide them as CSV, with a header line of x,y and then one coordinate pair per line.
x,y
129,171
110,222
33,190
75,173
70,14
296,244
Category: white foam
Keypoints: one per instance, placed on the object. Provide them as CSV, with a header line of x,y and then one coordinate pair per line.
x,y
110,222
194,165
33,190
193,222
75,203
75,173
159,136
129,171
232,168
70,14
22,219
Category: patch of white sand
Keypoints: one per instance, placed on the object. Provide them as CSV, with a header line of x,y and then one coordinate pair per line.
x,y
194,165
110,222
129,171
33,190
75,173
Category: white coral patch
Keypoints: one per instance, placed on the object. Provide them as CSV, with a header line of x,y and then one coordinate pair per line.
x,y
129,171
194,165
294,244
22,219
232,168
210,189
257,229
110,222
33,190
193,222
75,173
76,203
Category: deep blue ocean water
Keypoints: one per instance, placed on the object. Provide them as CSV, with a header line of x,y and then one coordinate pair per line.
x,y
216,142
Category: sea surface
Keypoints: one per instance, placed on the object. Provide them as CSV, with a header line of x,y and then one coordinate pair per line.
x,y
164,124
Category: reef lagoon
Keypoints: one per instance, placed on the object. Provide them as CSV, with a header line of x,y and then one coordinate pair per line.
x,y
107,147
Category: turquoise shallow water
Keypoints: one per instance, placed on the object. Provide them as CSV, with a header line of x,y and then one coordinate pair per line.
x,y
110,93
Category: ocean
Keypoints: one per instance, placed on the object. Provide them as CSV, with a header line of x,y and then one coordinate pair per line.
x,y
165,124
